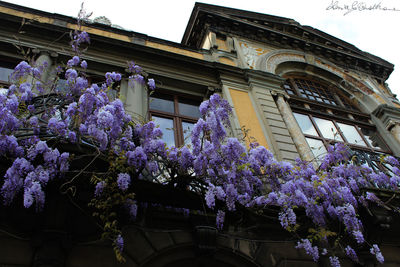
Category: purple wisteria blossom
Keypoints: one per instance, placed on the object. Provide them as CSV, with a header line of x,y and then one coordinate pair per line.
x,y
21,70
231,175
334,261
132,208
220,219
119,243
377,252
84,64
99,188
151,83
123,181
309,248
351,253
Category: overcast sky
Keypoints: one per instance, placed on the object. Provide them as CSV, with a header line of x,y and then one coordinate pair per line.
x,y
374,31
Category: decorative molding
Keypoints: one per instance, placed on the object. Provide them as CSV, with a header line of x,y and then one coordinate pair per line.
x,y
264,79
282,32
388,115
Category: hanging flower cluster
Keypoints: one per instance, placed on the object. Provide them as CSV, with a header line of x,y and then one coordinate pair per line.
x,y
329,195
224,170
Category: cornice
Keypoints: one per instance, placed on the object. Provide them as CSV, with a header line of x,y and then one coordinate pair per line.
x,y
284,33
264,79
390,116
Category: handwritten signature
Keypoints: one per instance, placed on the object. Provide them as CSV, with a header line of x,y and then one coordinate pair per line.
x,y
358,6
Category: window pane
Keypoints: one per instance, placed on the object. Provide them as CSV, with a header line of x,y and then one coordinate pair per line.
x,y
167,127
5,73
187,132
317,147
290,92
189,108
162,103
351,134
305,124
328,129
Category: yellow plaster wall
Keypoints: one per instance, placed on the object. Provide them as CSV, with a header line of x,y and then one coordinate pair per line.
x,y
227,61
222,45
379,98
26,15
174,50
90,30
396,104
247,116
384,89
116,36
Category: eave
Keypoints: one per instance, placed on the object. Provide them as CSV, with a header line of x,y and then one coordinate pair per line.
x,y
281,32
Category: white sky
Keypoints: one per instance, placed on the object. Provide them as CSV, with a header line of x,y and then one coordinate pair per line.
x,y
374,31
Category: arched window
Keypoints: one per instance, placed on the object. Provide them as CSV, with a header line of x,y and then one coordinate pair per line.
x,y
326,115
317,91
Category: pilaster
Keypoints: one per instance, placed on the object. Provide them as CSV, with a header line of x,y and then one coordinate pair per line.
x,y
387,120
262,87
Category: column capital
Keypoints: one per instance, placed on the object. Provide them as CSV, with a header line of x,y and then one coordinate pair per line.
x,y
280,93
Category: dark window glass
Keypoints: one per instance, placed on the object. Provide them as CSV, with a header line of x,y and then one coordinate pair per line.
x,y
162,103
189,108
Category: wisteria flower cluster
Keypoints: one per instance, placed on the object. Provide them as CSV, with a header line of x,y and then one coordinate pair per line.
x,y
329,195
221,168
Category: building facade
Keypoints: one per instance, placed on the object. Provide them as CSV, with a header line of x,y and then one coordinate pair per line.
x,y
293,89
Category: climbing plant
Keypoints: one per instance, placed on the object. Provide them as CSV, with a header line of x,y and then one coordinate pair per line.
x,y
45,130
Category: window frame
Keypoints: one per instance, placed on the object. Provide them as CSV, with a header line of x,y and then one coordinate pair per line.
x,y
344,112
176,116
324,90
327,141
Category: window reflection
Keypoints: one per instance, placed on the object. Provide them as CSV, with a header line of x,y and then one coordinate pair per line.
x,y
5,74
167,127
176,116
162,103
187,132
351,134
189,108
328,129
317,148
305,124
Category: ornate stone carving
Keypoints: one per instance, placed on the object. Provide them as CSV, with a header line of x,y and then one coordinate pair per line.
x,y
250,55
